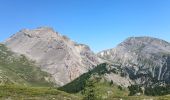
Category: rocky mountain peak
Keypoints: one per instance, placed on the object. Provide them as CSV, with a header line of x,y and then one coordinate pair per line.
x,y
137,45
40,32
145,44
145,41
141,57
64,59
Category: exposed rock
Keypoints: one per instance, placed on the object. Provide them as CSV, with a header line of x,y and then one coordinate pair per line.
x,y
142,58
117,76
56,54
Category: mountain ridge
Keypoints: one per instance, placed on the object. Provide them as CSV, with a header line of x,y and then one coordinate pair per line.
x,y
137,62
66,60
141,56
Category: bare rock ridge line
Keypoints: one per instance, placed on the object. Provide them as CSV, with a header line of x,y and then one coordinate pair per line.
x,y
142,59
64,59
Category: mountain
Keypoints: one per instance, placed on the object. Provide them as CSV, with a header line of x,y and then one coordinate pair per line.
x,y
21,79
145,60
57,55
16,69
41,57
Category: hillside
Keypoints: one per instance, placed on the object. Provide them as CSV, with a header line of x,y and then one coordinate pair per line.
x,y
94,85
12,92
101,85
21,79
17,69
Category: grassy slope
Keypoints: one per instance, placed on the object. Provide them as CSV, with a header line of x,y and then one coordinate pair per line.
x,y
15,69
12,92
104,91
107,92
140,98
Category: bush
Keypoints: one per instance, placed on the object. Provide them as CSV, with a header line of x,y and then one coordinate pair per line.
x,y
120,88
157,90
134,89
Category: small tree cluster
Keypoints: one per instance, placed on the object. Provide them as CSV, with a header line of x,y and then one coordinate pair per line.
x,y
157,90
134,89
150,90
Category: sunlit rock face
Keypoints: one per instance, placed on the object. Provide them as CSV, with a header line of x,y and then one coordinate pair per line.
x,y
64,59
142,58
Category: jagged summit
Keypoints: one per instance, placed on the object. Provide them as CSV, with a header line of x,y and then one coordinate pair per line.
x,y
56,54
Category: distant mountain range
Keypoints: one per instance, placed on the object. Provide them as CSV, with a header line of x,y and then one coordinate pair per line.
x,y
55,60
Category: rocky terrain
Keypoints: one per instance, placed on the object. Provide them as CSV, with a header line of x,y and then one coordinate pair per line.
x,y
143,59
64,59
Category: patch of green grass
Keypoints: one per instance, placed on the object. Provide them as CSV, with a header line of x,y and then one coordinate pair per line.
x,y
14,92
105,91
140,98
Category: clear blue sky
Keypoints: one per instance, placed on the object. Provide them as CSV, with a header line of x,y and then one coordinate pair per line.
x,y
101,24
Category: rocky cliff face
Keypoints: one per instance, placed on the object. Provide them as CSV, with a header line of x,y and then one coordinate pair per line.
x,y
64,59
142,58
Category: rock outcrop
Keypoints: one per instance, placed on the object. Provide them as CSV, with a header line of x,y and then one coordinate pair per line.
x,y
143,59
64,59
